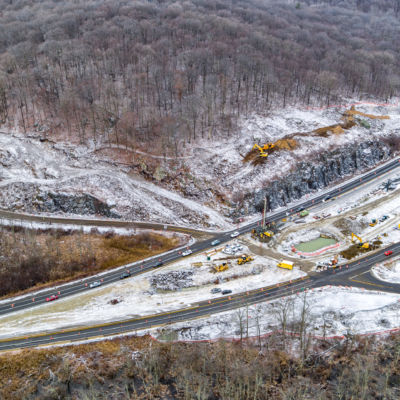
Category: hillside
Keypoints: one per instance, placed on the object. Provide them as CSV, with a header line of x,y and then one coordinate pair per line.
x,y
158,75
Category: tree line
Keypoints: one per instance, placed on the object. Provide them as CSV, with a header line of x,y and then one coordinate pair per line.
x,y
170,72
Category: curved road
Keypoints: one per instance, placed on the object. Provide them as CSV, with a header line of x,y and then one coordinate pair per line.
x,y
341,276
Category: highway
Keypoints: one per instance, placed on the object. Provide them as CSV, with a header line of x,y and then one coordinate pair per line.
x,y
339,276
342,275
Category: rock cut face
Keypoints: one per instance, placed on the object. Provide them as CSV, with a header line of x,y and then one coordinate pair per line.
x,y
310,176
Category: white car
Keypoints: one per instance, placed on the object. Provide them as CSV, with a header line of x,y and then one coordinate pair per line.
x,y
186,253
95,284
235,234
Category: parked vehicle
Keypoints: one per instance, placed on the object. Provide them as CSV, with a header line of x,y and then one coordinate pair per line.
x,y
95,284
215,290
226,291
286,264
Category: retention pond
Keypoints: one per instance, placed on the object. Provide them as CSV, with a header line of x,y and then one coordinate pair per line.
x,y
314,245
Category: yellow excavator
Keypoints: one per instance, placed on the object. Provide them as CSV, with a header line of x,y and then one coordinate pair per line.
x,y
220,268
362,244
244,259
263,149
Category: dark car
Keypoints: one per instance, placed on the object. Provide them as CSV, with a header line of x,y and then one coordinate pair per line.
x,y
326,198
125,274
301,208
226,291
158,264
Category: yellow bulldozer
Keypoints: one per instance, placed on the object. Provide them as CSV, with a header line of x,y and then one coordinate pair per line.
x,y
244,259
361,244
220,268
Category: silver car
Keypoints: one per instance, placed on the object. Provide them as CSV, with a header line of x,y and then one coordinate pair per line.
x,y
95,284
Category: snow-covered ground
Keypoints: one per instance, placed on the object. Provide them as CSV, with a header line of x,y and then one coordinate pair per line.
x,y
222,160
137,296
330,311
388,271
29,169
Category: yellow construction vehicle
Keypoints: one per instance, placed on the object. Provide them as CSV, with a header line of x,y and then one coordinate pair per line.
x,y
286,264
220,268
263,149
266,234
244,259
373,222
362,244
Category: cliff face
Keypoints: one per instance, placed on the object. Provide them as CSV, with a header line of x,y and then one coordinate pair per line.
x,y
311,176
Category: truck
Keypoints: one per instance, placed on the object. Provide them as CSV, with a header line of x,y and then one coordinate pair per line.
x,y
286,264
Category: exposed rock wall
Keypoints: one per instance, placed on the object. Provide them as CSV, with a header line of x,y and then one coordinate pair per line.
x,y
328,169
29,197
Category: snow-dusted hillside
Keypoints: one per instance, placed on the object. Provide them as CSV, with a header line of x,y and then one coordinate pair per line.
x,y
197,189
223,163
36,176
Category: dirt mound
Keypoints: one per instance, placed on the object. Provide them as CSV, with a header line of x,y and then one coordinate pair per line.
x,y
286,144
353,111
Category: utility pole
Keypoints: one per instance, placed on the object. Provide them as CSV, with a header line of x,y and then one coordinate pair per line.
x,y
265,211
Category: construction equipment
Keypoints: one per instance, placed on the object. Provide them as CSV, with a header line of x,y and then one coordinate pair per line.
x,y
244,259
373,222
286,264
263,233
361,244
263,149
266,234
220,268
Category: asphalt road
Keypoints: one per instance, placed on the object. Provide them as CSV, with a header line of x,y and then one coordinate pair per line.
x,y
114,223
76,287
340,276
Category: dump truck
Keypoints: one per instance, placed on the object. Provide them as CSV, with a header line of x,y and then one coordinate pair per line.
x,y
286,264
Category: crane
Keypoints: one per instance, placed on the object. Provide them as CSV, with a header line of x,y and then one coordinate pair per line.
x,y
362,244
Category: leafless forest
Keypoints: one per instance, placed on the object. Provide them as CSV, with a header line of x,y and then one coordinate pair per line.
x,y
131,72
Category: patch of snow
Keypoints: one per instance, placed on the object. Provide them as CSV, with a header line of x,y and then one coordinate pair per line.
x,y
389,271
138,298
329,311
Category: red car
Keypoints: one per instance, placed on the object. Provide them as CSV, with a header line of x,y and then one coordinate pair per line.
x,y
388,253
52,297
